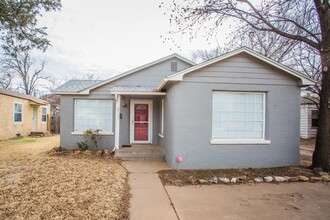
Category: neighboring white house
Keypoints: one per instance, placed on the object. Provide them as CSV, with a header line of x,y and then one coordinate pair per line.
x,y
308,118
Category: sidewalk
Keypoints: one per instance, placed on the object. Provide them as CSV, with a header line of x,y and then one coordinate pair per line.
x,y
149,199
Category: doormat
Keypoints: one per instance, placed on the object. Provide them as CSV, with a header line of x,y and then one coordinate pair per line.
x,y
126,145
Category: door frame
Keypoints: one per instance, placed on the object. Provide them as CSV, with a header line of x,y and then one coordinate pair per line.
x,y
35,122
149,102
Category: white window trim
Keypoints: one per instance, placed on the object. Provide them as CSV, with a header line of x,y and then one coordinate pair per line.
x,y
74,132
17,122
100,133
43,122
161,134
240,141
243,141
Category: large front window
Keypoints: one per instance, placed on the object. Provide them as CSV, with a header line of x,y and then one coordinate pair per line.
x,y
238,116
93,114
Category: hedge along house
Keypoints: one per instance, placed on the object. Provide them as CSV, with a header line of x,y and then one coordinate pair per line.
x,y
22,114
238,110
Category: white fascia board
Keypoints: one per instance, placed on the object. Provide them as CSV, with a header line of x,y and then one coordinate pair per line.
x,y
69,93
162,84
137,93
306,81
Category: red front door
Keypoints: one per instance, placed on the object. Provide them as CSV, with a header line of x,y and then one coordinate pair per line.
x,y
141,122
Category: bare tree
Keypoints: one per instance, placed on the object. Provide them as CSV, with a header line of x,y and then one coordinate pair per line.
x,y
6,79
307,22
203,55
29,72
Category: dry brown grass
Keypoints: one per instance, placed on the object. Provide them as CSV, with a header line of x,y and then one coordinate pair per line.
x,y
34,185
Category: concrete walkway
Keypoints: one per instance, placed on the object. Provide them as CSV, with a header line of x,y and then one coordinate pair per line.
x,y
149,197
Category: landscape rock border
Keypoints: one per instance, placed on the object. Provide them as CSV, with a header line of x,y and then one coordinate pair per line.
x,y
243,176
325,177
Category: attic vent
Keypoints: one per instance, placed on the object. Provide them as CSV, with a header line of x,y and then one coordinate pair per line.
x,y
174,66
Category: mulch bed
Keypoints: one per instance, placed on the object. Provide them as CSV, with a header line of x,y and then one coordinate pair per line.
x,y
184,177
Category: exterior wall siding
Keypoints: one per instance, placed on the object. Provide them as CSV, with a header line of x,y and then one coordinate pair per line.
x,y
190,113
303,121
9,128
306,129
151,76
69,140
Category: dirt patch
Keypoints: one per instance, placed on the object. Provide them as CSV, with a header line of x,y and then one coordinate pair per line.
x,y
35,185
184,177
307,147
252,201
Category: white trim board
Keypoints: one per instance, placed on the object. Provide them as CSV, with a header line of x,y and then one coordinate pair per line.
x,y
138,93
150,120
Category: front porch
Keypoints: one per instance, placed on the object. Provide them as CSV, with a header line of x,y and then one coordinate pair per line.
x,y
138,117
140,152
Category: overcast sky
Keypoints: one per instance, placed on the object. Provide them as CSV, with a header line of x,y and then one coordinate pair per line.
x,y
106,37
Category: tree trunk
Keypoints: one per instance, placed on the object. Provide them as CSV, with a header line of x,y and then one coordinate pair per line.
x,y
322,145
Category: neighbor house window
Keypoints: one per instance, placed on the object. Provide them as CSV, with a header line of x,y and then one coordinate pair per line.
x,y
93,114
238,116
18,112
43,114
315,118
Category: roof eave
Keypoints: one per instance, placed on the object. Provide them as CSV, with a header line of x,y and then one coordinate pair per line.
x,y
69,93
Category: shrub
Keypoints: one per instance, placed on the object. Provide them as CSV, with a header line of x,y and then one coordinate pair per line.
x,y
82,146
89,135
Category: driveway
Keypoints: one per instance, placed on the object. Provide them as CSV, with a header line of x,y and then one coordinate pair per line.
x,y
151,200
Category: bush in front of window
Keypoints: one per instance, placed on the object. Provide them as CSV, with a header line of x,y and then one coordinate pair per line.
x,y
82,146
90,135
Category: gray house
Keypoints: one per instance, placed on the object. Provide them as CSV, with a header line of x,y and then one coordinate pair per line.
x,y
238,110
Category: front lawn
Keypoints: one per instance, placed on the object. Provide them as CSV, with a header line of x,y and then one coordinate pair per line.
x,y
34,185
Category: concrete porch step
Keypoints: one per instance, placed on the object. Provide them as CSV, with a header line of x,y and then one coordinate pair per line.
x,y
140,152
39,134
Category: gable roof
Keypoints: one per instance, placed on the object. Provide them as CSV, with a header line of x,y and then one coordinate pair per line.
x,y
23,96
86,90
74,86
179,75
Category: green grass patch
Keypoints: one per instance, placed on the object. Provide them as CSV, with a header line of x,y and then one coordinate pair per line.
x,y
30,140
16,138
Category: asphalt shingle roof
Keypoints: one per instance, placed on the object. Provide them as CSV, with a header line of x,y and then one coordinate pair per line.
x,y
76,85
23,96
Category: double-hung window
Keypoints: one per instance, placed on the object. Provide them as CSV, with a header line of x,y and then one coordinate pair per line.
x,y
238,117
93,114
18,112
43,114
